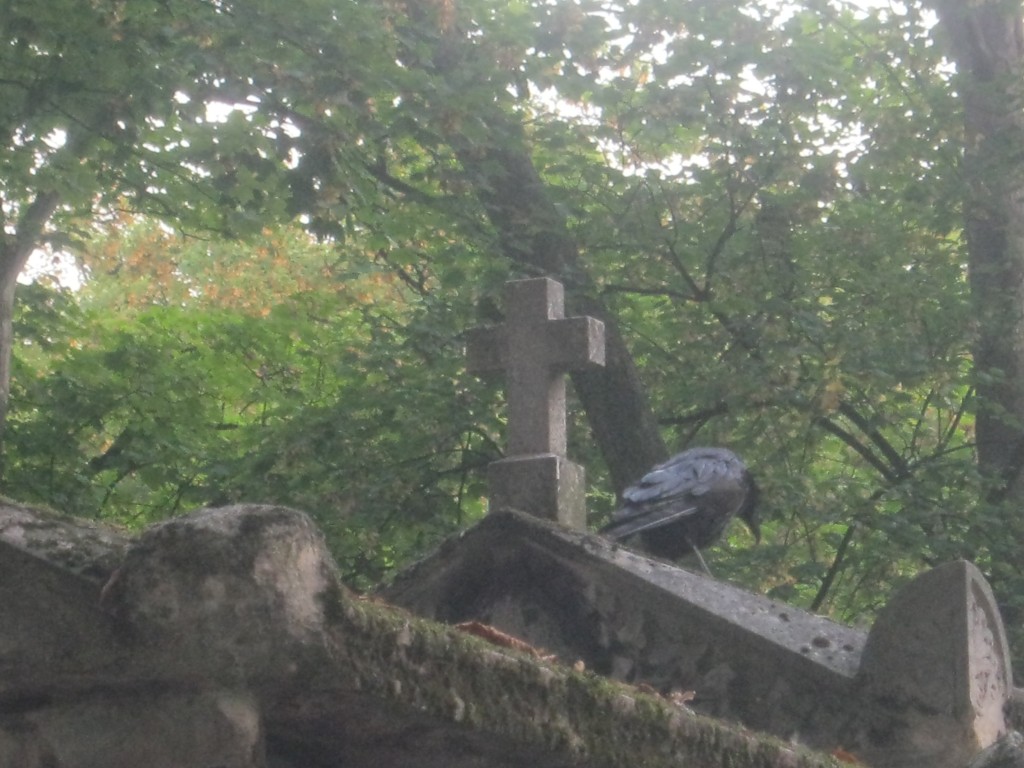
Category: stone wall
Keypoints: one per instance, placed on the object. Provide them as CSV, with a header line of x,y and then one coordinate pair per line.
x,y
225,640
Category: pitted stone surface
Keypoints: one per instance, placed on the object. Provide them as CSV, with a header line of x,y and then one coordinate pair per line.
x,y
937,665
936,671
233,591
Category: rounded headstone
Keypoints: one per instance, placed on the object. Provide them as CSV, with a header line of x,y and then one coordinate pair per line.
x,y
936,671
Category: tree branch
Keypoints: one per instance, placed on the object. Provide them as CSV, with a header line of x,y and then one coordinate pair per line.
x,y
891,454
883,469
833,570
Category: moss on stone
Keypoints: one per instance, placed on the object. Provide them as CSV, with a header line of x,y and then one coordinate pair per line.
x,y
455,677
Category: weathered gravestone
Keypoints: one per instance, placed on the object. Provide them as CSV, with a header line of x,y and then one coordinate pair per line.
x,y
535,347
935,674
224,638
926,687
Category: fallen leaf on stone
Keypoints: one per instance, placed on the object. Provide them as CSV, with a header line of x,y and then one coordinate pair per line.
x,y
845,757
497,637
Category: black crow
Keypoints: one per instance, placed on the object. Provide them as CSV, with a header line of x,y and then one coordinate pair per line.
x,y
684,505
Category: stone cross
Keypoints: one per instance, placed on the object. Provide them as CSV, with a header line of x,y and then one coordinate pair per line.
x,y
536,347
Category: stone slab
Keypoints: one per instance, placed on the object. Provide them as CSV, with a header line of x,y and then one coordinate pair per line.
x,y
546,485
745,657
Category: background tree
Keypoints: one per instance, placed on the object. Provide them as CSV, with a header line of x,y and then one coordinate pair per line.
x,y
106,104
186,373
986,40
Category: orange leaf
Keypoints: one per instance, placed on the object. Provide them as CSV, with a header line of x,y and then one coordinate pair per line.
x,y
843,756
495,636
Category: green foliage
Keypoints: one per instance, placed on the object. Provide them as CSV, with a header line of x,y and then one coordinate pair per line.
x,y
344,397
766,197
187,111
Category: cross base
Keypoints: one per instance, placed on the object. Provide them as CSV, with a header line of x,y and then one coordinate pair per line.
x,y
544,484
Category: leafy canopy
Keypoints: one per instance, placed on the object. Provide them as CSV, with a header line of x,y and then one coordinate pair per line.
x,y
766,198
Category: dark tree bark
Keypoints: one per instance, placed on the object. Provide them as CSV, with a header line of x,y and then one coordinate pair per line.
x,y
531,232
535,237
987,42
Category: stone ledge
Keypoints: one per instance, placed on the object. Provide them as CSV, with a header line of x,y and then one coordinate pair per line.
x,y
370,686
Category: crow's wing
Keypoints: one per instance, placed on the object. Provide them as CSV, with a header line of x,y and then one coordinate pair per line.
x,y
673,490
630,520
693,473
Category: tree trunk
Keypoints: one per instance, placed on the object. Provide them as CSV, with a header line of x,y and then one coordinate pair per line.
x,y
15,249
532,233
534,236
987,42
